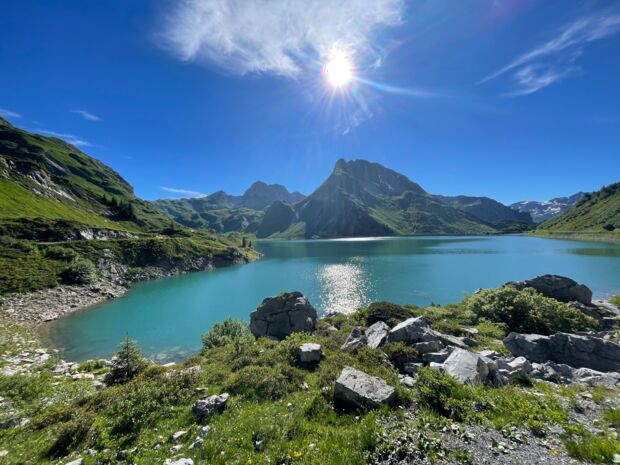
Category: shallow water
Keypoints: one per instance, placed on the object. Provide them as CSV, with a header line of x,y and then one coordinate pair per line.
x,y
168,316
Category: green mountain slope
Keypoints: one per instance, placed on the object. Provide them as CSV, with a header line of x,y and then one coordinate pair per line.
x,y
596,213
222,212
488,210
45,177
361,198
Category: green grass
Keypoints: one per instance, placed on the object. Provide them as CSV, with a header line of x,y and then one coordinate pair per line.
x,y
596,214
18,202
615,299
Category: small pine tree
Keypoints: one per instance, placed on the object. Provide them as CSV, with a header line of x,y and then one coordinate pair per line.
x,y
244,242
127,363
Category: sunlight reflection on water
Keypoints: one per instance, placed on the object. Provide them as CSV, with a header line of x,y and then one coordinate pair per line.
x,y
344,286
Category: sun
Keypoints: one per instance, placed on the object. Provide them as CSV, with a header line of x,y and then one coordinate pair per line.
x,y
338,70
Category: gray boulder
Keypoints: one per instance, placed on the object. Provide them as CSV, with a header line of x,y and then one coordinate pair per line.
x,y
206,405
359,390
430,346
450,340
437,357
585,351
355,339
578,351
411,331
376,334
309,353
278,317
557,287
534,347
467,367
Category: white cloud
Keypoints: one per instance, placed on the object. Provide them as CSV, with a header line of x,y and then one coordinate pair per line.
x,y
86,115
186,192
9,114
275,36
70,138
554,60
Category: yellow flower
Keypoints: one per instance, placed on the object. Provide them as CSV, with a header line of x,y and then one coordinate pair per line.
x,y
297,454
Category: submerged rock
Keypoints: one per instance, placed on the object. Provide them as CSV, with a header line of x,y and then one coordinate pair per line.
x,y
557,287
280,316
360,390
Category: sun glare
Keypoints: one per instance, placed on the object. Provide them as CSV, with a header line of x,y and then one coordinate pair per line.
x,y
338,69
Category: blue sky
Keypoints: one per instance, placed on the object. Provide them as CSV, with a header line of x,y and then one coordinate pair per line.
x,y
513,99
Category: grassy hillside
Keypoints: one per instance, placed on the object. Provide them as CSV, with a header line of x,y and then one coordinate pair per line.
x,y
51,192
489,210
45,177
596,214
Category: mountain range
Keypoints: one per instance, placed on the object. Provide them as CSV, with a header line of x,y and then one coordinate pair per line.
x,y
543,211
359,198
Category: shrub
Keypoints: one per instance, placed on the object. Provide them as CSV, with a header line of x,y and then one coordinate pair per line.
x,y
56,252
71,434
400,353
127,364
445,395
390,313
230,331
615,299
527,311
266,383
80,271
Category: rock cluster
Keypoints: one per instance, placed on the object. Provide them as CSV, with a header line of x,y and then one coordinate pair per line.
x,y
280,316
579,351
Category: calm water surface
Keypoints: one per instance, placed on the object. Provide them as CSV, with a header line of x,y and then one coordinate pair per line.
x,y
168,316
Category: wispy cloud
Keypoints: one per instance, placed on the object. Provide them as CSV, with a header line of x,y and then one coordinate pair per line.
x,y
70,138
556,59
9,114
274,36
86,115
185,192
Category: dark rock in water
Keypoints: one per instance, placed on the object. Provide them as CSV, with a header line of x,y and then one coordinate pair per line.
x,y
578,351
278,317
206,405
359,390
557,287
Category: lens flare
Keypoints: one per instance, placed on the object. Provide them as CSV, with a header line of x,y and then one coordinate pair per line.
x,y
338,70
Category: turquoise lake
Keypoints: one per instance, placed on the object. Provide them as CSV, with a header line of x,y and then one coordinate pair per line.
x,y
167,317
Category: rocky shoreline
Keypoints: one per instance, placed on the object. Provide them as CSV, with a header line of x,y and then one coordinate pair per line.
x,y
34,308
